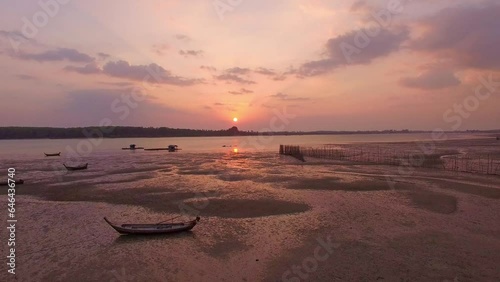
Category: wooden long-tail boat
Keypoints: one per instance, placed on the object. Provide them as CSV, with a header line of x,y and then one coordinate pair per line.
x,y
53,155
158,228
80,167
17,182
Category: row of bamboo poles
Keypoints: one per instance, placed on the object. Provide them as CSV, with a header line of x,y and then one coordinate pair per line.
x,y
473,164
385,156
294,151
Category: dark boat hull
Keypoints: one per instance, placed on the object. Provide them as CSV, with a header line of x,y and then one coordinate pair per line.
x,y
152,229
71,168
136,148
53,155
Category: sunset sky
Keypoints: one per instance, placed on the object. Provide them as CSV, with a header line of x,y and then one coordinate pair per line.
x,y
333,65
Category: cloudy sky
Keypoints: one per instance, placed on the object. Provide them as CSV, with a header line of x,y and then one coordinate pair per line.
x,y
332,65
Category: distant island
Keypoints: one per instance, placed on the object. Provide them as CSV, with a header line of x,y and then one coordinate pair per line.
x,y
131,132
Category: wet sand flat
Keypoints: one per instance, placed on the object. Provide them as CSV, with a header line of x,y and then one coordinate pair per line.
x,y
264,217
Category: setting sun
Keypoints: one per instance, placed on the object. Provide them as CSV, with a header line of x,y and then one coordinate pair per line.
x,y
235,119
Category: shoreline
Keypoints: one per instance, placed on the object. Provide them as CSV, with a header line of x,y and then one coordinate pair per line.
x,y
489,133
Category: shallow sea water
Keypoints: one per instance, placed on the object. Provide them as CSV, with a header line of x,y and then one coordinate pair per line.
x,y
260,214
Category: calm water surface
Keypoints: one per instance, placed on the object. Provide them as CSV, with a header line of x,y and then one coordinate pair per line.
x,y
28,149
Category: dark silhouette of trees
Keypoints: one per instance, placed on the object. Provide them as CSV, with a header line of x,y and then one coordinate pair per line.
x,y
129,131
113,132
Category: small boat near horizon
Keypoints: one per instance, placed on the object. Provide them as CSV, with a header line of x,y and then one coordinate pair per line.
x,y
151,229
170,148
133,147
52,155
17,182
80,167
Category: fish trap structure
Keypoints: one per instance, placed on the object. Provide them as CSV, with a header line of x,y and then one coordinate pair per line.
x,y
386,156
294,151
482,164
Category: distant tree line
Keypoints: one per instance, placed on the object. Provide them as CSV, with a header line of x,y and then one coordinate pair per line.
x,y
129,131
111,132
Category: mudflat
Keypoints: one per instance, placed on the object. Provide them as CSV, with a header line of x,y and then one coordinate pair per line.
x,y
264,217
